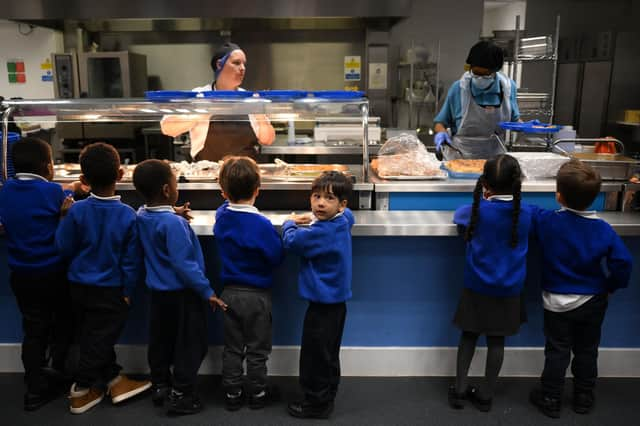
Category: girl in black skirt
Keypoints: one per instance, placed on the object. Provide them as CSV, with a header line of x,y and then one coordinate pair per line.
x,y
496,234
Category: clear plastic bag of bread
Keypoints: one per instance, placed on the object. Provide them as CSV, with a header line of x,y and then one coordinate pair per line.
x,y
405,155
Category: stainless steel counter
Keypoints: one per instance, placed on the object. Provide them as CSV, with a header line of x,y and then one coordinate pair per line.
x,y
281,147
467,185
408,223
264,186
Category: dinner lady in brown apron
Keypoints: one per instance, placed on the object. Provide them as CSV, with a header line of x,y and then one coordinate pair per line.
x,y
214,137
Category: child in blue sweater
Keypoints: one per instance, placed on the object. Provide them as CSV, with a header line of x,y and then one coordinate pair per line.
x,y
250,250
30,210
583,261
324,248
180,292
99,238
497,228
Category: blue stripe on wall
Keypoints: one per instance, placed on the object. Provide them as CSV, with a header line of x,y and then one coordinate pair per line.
x,y
452,200
405,290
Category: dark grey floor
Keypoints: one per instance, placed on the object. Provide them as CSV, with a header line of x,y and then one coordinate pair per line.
x,y
361,401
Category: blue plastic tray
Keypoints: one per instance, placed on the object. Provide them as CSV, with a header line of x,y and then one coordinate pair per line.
x,y
283,95
458,175
338,94
167,95
227,94
530,127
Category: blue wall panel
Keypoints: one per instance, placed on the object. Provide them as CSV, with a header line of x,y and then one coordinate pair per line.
x,y
452,200
405,290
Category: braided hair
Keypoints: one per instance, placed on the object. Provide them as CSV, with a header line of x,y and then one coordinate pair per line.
x,y
501,175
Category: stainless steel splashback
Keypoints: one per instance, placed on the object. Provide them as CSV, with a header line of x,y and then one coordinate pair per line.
x,y
82,9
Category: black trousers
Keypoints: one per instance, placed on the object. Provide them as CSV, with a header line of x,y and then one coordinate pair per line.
x,y
100,315
576,331
247,335
47,323
320,351
177,337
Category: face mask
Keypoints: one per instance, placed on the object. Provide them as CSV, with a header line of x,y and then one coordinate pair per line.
x,y
483,82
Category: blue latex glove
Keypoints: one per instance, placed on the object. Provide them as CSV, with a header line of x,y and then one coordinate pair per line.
x,y
440,138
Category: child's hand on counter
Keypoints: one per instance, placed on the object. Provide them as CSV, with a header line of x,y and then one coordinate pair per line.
x,y
216,302
66,205
77,186
183,210
301,219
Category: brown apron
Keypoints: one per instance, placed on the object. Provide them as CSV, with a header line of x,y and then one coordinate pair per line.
x,y
229,135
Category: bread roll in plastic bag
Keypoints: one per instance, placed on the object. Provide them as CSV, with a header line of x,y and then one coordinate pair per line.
x,y
405,155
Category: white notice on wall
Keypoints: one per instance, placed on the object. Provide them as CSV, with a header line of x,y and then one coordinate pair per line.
x,y
378,75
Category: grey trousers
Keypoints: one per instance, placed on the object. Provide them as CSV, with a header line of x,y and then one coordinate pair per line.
x,y
247,335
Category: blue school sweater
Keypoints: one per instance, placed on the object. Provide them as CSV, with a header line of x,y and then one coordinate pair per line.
x,y
492,266
30,213
324,248
99,237
172,255
248,244
580,254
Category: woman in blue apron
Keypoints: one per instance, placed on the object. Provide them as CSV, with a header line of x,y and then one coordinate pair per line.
x,y
214,137
482,98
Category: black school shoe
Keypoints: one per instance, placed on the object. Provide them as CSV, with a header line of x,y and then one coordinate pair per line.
x,y
456,400
482,404
181,403
159,393
307,410
547,405
583,402
233,401
33,401
261,399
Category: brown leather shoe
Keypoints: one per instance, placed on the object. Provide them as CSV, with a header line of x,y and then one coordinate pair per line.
x,y
82,400
122,388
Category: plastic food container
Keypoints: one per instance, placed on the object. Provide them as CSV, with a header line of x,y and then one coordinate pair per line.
x,y
283,95
169,95
338,94
226,94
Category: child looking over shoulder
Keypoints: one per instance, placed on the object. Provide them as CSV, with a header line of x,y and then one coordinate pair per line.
x,y
575,245
497,228
180,292
250,249
324,248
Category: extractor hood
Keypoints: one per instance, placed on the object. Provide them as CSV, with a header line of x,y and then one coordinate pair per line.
x,y
218,9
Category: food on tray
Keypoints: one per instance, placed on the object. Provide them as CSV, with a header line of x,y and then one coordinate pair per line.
x,y
318,167
200,169
405,155
403,165
465,166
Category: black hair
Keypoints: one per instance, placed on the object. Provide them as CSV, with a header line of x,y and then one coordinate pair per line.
x,y
578,183
501,175
31,155
239,177
100,164
486,54
150,176
333,182
220,53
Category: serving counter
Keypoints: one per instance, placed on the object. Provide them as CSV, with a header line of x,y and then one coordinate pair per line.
x,y
407,265
448,194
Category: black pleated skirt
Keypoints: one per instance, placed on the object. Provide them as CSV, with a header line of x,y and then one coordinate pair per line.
x,y
490,315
